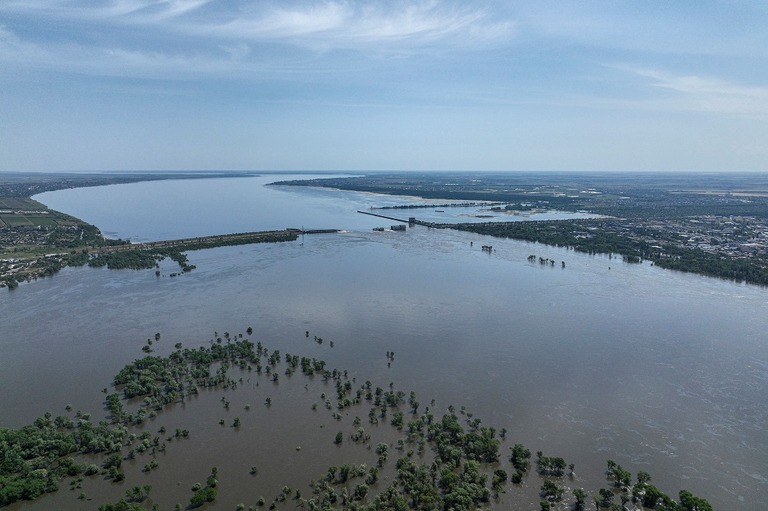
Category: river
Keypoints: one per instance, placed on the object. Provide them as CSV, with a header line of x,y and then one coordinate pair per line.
x,y
660,371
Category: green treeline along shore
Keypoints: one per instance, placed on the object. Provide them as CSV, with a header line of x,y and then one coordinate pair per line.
x,y
36,241
446,460
147,255
710,224
714,225
611,236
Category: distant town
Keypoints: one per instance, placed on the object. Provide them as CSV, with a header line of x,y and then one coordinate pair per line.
x,y
710,224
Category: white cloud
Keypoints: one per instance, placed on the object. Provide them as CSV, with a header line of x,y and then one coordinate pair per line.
x,y
284,22
333,22
343,24
148,10
142,37
14,49
707,94
110,60
112,9
182,6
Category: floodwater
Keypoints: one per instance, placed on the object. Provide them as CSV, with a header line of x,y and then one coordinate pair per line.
x,y
660,371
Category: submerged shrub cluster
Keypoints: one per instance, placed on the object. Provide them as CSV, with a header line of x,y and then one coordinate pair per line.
x,y
448,461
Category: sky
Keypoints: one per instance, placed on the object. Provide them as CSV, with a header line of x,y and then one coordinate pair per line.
x,y
643,85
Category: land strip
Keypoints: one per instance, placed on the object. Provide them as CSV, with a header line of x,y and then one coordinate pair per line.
x,y
705,254
23,185
36,241
139,255
712,224
201,242
709,224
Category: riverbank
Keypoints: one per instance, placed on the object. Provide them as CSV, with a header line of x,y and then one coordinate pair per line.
x,y
714,225
37,242
639,240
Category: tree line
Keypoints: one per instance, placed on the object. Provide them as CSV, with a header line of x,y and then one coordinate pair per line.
x,y
613,237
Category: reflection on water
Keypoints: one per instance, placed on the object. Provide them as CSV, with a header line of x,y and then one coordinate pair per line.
x,y
660,371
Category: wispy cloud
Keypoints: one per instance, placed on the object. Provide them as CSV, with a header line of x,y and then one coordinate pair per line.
x,y
337,22
346,24
168,9
212,35
283,22
708,94
148,10
112,60
14,49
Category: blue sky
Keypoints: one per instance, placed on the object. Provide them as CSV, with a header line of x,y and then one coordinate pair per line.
x,y
383,84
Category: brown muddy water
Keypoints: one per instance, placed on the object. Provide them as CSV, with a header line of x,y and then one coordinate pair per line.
x,y
660,371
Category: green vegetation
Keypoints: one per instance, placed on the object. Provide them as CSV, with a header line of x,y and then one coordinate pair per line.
x,y
37,242
448,461
117,255
205,494
622,194
714,224
35,457
669,219
41,250
635,244
144,256
127,259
